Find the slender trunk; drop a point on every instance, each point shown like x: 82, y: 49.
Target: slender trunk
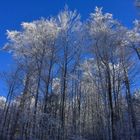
x: 112, y: 135
x: 130, y: 105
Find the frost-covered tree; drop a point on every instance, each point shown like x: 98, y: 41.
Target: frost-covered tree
x: 108, y: 47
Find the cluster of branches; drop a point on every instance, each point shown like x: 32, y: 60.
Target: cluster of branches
x: 73, y: 80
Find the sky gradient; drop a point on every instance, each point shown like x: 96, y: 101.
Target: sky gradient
x: 14, y: 12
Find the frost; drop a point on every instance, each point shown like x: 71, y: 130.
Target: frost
x: 2, y: 102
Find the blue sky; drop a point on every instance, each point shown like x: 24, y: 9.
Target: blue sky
x: 14, y: 12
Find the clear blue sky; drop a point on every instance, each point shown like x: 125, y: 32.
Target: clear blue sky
x: 14, y: 12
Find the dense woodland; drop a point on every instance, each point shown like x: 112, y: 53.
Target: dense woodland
x: 72, y: 79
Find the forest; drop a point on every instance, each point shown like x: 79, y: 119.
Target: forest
x: 72, y: 79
